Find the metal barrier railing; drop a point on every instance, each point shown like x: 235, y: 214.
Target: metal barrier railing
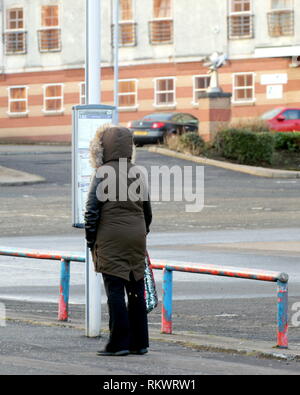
x: 65, y: 260
x: 167, y: 303
x: 249, y: 274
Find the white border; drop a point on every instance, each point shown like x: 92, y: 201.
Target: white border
x: 194, y: 102
x: 156, y: 92
x: 163, y: 19
x: 59, y: 17
x: 133, y: 7
x: 171, y: 17
x: 128, y: 22
x: 291, y: 8
x: 130, y: 94
x: 242, y: 13
x: 45, y: 28
x: 7, y: 31
x: 234, y: 88
x: 10, y: 100
x: 45, y: 99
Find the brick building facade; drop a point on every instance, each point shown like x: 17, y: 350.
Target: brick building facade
x: 163, y: 44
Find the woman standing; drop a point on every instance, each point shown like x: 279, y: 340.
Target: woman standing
x: 116, y: 232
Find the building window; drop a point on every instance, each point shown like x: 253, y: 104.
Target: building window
x: 82, y: 93
x: 18, y: 100
x: 243, y: 87
x: 281, y: 18
x: 15, y: 34
x: 161, y: 26
x: 281, y: 4
x: 53, y: 98
x: 165, y: 94
x: 49, y: 35
x: 127, y: 25
x: 127, y: 94
x: 201, y: 84
x: 241, y: 19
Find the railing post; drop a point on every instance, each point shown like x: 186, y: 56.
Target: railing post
x: 64, y: 291
x: 167, y: 301
x: 282, y: 318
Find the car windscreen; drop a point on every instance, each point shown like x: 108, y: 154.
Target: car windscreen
x: 271, y: 114
x: 158, y: 117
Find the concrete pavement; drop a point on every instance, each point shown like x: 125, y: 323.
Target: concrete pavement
x: 7, y: 149
x: 45, y: 350
x: 237, y: 317
x: 210, y: 314
x: 10, y: 177
x: 33, y: 342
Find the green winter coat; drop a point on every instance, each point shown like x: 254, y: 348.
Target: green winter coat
x: 116, y: 230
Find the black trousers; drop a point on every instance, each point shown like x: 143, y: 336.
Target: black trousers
x: 128, y: 325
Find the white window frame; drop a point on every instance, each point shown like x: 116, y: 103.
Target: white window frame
x: 59, y: 17
x: 11, y: 31
x: 10, y: 100
x: 157, y: 92
x: 129, y: 94
x: 231, y: 2
x: 234, y: 88
x: 276, y: 11
x: 168, y: 18
x: 291, y: 8
x: 45, y: 99
x: 45, y: 28
x: 81, y: 96
x: 242, y: 13
x: 195, y: 90
x: 163, y: 19
x: 123, y: 22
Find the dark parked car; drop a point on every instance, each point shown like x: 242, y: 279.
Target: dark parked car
x: 154, y: 128
x: 283, y: 119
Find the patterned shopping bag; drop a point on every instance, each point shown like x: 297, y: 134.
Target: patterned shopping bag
x: 150, y: 287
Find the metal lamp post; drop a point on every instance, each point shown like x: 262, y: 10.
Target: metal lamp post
x: 116, y: 58
x: 93, y: 96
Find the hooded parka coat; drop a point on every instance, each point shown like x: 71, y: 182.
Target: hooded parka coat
x: 116, y: 229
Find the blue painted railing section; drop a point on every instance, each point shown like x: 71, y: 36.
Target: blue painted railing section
x: 167, y: 296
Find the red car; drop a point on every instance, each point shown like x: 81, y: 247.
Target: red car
x: 283, y: 119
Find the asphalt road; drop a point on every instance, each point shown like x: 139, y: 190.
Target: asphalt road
x: 247, y: 222
x: 244, y: 220
x: 232, y: 200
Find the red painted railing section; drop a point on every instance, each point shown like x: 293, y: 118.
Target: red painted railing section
x: 251, y: 274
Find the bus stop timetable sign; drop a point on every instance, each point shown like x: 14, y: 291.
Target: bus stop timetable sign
x: 86, y: 120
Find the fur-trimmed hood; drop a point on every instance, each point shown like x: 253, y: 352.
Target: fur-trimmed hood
x: 111, y: 143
